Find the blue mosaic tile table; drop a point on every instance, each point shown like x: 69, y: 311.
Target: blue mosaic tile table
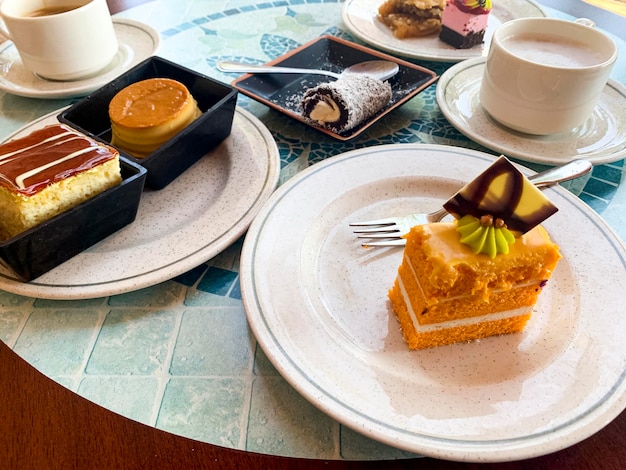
x: 179, y: 356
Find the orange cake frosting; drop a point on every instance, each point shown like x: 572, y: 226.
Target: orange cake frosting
x: 476, y: 277
x: 50, y: 171
x: 148, y: 113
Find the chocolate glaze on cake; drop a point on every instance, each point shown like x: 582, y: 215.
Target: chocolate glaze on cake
x: 342, y: 104
x: 48, y: 155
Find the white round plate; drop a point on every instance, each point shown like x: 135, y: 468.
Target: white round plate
x: 137, y: 42
x: 317, y: 303
x: 177, y: 228
x: 360, y: 17
x: 601, y: 139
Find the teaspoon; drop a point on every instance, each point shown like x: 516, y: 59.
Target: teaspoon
x: 380, y: 69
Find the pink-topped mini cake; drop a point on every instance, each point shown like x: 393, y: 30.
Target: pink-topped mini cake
x: 464, y: 22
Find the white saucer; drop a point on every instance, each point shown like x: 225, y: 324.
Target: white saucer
x: 601, y: 139
x: 360, y: 17
x: 137, y: 40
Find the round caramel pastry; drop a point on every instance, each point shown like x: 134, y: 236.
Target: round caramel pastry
x: 148, y: 113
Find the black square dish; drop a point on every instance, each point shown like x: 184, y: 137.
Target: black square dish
x: 45, y: 246
x: 216, y: 101
x: 284, y: 92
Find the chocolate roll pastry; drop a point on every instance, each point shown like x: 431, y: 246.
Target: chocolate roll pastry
x: 342, y: 104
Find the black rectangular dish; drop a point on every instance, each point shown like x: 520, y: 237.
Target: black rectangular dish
x: 284, y: 92
x: 215, y: 99
x: 45, y: 246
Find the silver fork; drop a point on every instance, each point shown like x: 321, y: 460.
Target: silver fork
x: 389, y: 231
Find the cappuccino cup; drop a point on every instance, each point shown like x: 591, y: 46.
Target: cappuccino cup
x: 60, y: 39
x: 545, y: 76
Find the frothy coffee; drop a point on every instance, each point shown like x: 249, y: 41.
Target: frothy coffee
x: 552, y: 50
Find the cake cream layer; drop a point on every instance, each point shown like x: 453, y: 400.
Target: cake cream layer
x: 46, y: 156
x: 147, y: 114
x: 456, y: 331
x: 458, y: 322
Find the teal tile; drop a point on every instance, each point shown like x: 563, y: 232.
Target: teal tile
x: 262, y: 365
x: 133, y: 342
x: 198, y: 298
x: 12, y: 300
x: 206, y: 409
x: 213, y: 341
x: 162, y: 295
x: 133, y: 397
x: 10, y: 323
x: 282, y: 422
x: 57, y: 342
x: 82, y: 304
x: 355, y: 446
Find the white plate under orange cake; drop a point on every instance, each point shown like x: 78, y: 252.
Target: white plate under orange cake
x: 322, y: 316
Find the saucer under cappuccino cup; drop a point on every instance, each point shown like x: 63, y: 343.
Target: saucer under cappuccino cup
x: 544, y: 76
x: 60, y: 39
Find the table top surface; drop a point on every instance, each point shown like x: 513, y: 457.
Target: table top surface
x: 177, y: 360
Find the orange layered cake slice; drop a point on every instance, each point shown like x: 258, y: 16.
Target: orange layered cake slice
x: 482, y: 274
x: 48, y: 172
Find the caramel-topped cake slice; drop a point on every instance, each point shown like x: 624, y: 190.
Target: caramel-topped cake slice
x: 50, y: 171
x: 482, y: 274
x: 148, y: 113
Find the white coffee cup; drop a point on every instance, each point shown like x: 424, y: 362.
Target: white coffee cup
x: 544, y: 75
x: 60, y: 39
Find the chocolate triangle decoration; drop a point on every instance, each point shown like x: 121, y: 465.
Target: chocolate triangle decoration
x: 502, y: 191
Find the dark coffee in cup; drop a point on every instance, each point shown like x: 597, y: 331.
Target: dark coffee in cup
x: 48, y: 11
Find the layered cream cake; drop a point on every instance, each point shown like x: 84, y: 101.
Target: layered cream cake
x: 343, y: 104
x: 148, y: 113
x: 412, y: 18
x: 464, y: 22
x: 48, y: 172
x: 476, y: 277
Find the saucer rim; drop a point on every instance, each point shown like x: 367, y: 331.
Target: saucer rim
x: 77, y: 88
x: 519, y: 151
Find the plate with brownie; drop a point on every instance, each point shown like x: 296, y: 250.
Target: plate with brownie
x: 341, y: 108
x: 433, y: 29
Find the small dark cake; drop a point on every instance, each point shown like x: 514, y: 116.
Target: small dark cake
x: 342, y: 104
x: 464, y: 22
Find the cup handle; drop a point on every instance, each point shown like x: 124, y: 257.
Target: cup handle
x: 585, y: 22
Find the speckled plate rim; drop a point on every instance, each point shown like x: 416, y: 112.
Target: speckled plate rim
x: 112, y: 266
x: 359, y: 16
x: 602, y: 139
x: 295, y: 308
x: 138, y: 41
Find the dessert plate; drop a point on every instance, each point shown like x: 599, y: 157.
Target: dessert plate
x: 177, y: 228
x: 360, y: 17
x: 601, y: 139
x: 137, y: 42
x: 317, y: 302
x: 284, y: 92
